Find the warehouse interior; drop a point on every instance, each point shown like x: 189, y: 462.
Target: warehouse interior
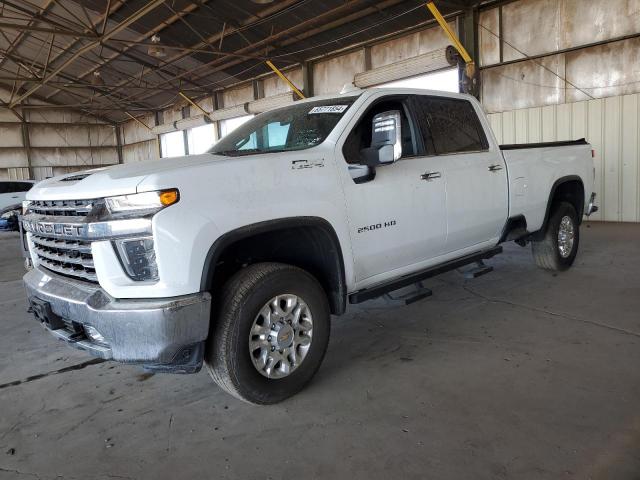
x: 516, y: 374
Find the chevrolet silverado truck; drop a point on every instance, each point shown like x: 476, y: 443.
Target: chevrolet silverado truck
x: 237, y: 258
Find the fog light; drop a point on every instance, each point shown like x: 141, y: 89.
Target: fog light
x: 138, y: 258
x: 94, y: 335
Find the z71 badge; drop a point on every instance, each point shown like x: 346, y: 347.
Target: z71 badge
x: 377, y: 226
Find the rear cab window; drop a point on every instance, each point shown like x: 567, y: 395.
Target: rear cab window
x: 449, y: 125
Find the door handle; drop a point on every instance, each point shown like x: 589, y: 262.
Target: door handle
x: 495, y: 168
x: 430, y: 175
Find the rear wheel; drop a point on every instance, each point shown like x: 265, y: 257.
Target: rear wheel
x: 271, y: 333
x: 559, y: 247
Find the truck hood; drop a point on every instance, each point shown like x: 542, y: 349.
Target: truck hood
x: 109, y: 181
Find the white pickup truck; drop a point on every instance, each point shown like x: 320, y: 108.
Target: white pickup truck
x: 237, y: 258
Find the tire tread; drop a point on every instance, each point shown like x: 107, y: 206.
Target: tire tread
x: 220, y: 357
x: 545, y: 251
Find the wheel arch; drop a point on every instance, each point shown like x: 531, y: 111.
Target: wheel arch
x: 569, y: 188
x: 310, y: 243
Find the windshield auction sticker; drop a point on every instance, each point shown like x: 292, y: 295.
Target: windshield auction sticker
x: 329, y: 109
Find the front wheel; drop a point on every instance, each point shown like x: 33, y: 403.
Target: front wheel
x: 559, y: 247
x: 270, y: 334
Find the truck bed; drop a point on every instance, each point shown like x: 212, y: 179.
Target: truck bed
x: 534, y: 169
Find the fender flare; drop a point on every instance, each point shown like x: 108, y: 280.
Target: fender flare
x: 554, y: 188
x: 337, y: 297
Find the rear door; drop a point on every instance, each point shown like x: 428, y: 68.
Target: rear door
x: 475, y: 174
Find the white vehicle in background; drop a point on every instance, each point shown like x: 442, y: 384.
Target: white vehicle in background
x: 12, y: 194
x: 236, y: 258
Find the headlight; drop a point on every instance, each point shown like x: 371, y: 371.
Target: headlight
x: 142, y: 204
x: 25, y: 206
x: 138, y: 258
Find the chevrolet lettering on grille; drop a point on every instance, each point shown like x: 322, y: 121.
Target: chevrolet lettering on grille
x: 49, y: 228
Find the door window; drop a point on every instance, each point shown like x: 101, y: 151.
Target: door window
x: 360, y: 136
x: 449, y: 125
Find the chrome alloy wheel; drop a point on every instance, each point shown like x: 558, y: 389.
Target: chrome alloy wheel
x: 566, y: 236
x: 280, y: 336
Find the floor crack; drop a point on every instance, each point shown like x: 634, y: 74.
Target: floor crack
x: 18, y: 472
x: 70, y: 368
x: 549, y: 312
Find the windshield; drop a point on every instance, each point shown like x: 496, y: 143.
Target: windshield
x: 296, y: 127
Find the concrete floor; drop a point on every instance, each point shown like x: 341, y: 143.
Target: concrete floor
x: 518, y: 374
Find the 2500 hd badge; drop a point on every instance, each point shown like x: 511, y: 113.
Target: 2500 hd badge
x: 377, y: 226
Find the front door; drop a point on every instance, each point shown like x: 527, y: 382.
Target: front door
x: 398, y: 218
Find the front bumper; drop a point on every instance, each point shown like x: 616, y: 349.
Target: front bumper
x: 161, y: 334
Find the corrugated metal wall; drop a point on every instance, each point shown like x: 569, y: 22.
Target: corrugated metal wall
x: 59, y: 141
x: 610, y: 124
x: 543, y: 27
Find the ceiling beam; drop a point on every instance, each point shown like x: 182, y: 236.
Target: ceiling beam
x: 54, y: 106
x: 117, y: 5
x: 22, y: 35
x: 34, y: 13
x: 57, y: 31
x: 75, y: 84
x: 38, y: 79
x: 105, y: 62
x: 215, y: 53
x: 296, y: 33
x: 212, y: 39
x: 93, y: 44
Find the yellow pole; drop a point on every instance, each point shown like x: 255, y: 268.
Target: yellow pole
x: 284, y: 78
x: 207, y: 114
x: 452, y: 36
x: 139, y: 121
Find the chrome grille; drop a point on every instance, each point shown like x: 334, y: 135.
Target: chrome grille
x: 62, y: 208
x: 67, y: 257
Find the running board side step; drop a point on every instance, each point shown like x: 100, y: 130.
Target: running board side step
x: 413, y: 278
x: 480, y: 269
x: 419, y: 292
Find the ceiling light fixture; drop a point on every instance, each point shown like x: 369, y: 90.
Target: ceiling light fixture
x: 96, y: 79
x: 156, y: 50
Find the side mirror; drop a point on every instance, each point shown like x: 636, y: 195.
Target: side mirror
x: 386, y: 139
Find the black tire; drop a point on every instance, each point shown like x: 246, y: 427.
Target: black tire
x: 546, y: 251
x: 227, y: 356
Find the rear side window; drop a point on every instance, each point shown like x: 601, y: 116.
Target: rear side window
x: 449, y: 125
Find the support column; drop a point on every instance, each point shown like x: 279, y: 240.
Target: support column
x: 119, y: 144
x: 218, y: 103
x: 26, y: 143
x: 185, y: 136
x: 367, y: 58
x: 307, y: 79
x: 159, y: 143
x: 467, y: 24
x: 258, y: 89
